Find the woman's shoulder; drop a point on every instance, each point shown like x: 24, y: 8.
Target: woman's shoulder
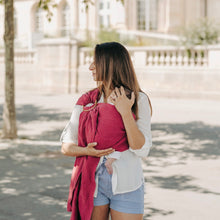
x: 88, y: 97
x: 144, y: 103
x: 143, y: 97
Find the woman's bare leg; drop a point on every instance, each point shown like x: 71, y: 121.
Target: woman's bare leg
x: 100, y: 212
x: 115, y: 215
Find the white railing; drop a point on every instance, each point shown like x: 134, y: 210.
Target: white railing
x: 164, y: 56
x: 169, y: 56
x: 21, y: 56
x: 85, y: 56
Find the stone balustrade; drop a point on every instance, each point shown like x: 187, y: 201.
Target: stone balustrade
x: 60, y: 65
x: 166, y: 56
x: 21, y: 56
x: 160, y: 56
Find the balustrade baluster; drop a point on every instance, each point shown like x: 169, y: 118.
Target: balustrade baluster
x: 161, y: 58
x: 167, y: 58
x: 156, y: 58
x: 150, y: 58
x: 173, y: 58
x: 23, y: 58
x: 205, y: 58
x: 91, y: 59
x: 179, y: 58
x: 192, y: 58
x: 87, y: 59
x: 199, y: 58
x: 185, y: 58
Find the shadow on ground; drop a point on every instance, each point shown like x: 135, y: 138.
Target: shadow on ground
x: 195, y: 138
x: 28, y: 113
x: 34, y: 182
x: 35, y: 178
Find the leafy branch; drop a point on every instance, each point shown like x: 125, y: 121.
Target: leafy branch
x: 87, y: 2
x: 122, y: 1
x: 47, y: 5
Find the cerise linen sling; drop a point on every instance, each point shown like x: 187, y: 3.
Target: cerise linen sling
x: 99, y: 123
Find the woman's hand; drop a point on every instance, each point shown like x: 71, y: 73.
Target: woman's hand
x: 91, y: 151
x: 122, y: 103
x: 71, y: 149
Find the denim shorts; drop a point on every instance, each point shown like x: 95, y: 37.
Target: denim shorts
x: 130, y: 202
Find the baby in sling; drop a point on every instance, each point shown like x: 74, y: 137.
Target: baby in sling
x: 103, y: 124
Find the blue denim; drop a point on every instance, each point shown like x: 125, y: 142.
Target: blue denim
x: 130, y: 202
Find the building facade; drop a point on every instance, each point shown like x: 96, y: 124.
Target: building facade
x: 73, y: 18
x: 167, y: 16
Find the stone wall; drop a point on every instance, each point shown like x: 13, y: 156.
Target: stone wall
x: 59, y: 66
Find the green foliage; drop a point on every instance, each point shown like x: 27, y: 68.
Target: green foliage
x: 144, y: 41
x: 203, y: 32
x: 47, y: 6
x: 87, y: 2
x: 106, y: 35
x: 122, y: 1
x: 101, y: 37
x: 112, y: 35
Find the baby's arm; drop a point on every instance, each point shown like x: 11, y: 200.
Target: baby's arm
x: 108, y: 165
x: 110, y: 159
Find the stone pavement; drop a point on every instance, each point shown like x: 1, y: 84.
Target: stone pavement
x: 182, y: 171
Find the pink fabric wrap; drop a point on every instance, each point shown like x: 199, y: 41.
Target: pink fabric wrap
x: 99, y: 123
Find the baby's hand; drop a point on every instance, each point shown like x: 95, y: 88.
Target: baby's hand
x: 108, y: 164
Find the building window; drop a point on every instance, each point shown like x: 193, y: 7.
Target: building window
x: 39, y: 20
x: 101, y: 5
x: 65, y: 15
x: 104, y: 14
x: 108, y: 5
x: 153, y: 12
x: 141, y: 14
x: 147, y: 12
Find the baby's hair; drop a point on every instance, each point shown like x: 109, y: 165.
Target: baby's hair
x: 128, y: 92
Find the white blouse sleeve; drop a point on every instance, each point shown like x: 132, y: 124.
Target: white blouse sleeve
x: 144, y: 125
x: 70, y: 132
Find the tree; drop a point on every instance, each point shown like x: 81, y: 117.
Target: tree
x: 9, y: 113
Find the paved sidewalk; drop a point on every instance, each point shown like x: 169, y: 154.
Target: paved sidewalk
x: 182, y: 171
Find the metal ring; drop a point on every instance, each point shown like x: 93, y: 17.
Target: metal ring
x: 86, y: 110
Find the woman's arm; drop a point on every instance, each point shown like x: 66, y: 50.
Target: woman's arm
x: 136, y: 138
x: 69, y: 137
x: 71, y: 149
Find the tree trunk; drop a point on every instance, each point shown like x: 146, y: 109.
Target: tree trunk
x: 9, y: 114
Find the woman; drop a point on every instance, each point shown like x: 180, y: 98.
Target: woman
x: 121, y: 193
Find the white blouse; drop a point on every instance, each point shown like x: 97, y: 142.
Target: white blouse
x: 127, y: 170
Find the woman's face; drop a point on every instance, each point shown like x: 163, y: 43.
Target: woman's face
x: 93, y: 69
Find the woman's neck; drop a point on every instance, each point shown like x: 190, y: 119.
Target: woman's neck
x: 107, y: 93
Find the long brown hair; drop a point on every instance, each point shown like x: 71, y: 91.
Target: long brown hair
x: 114, y: 68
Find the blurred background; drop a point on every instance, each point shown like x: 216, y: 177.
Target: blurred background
x: 173, y: 43
x: 174, y: 46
